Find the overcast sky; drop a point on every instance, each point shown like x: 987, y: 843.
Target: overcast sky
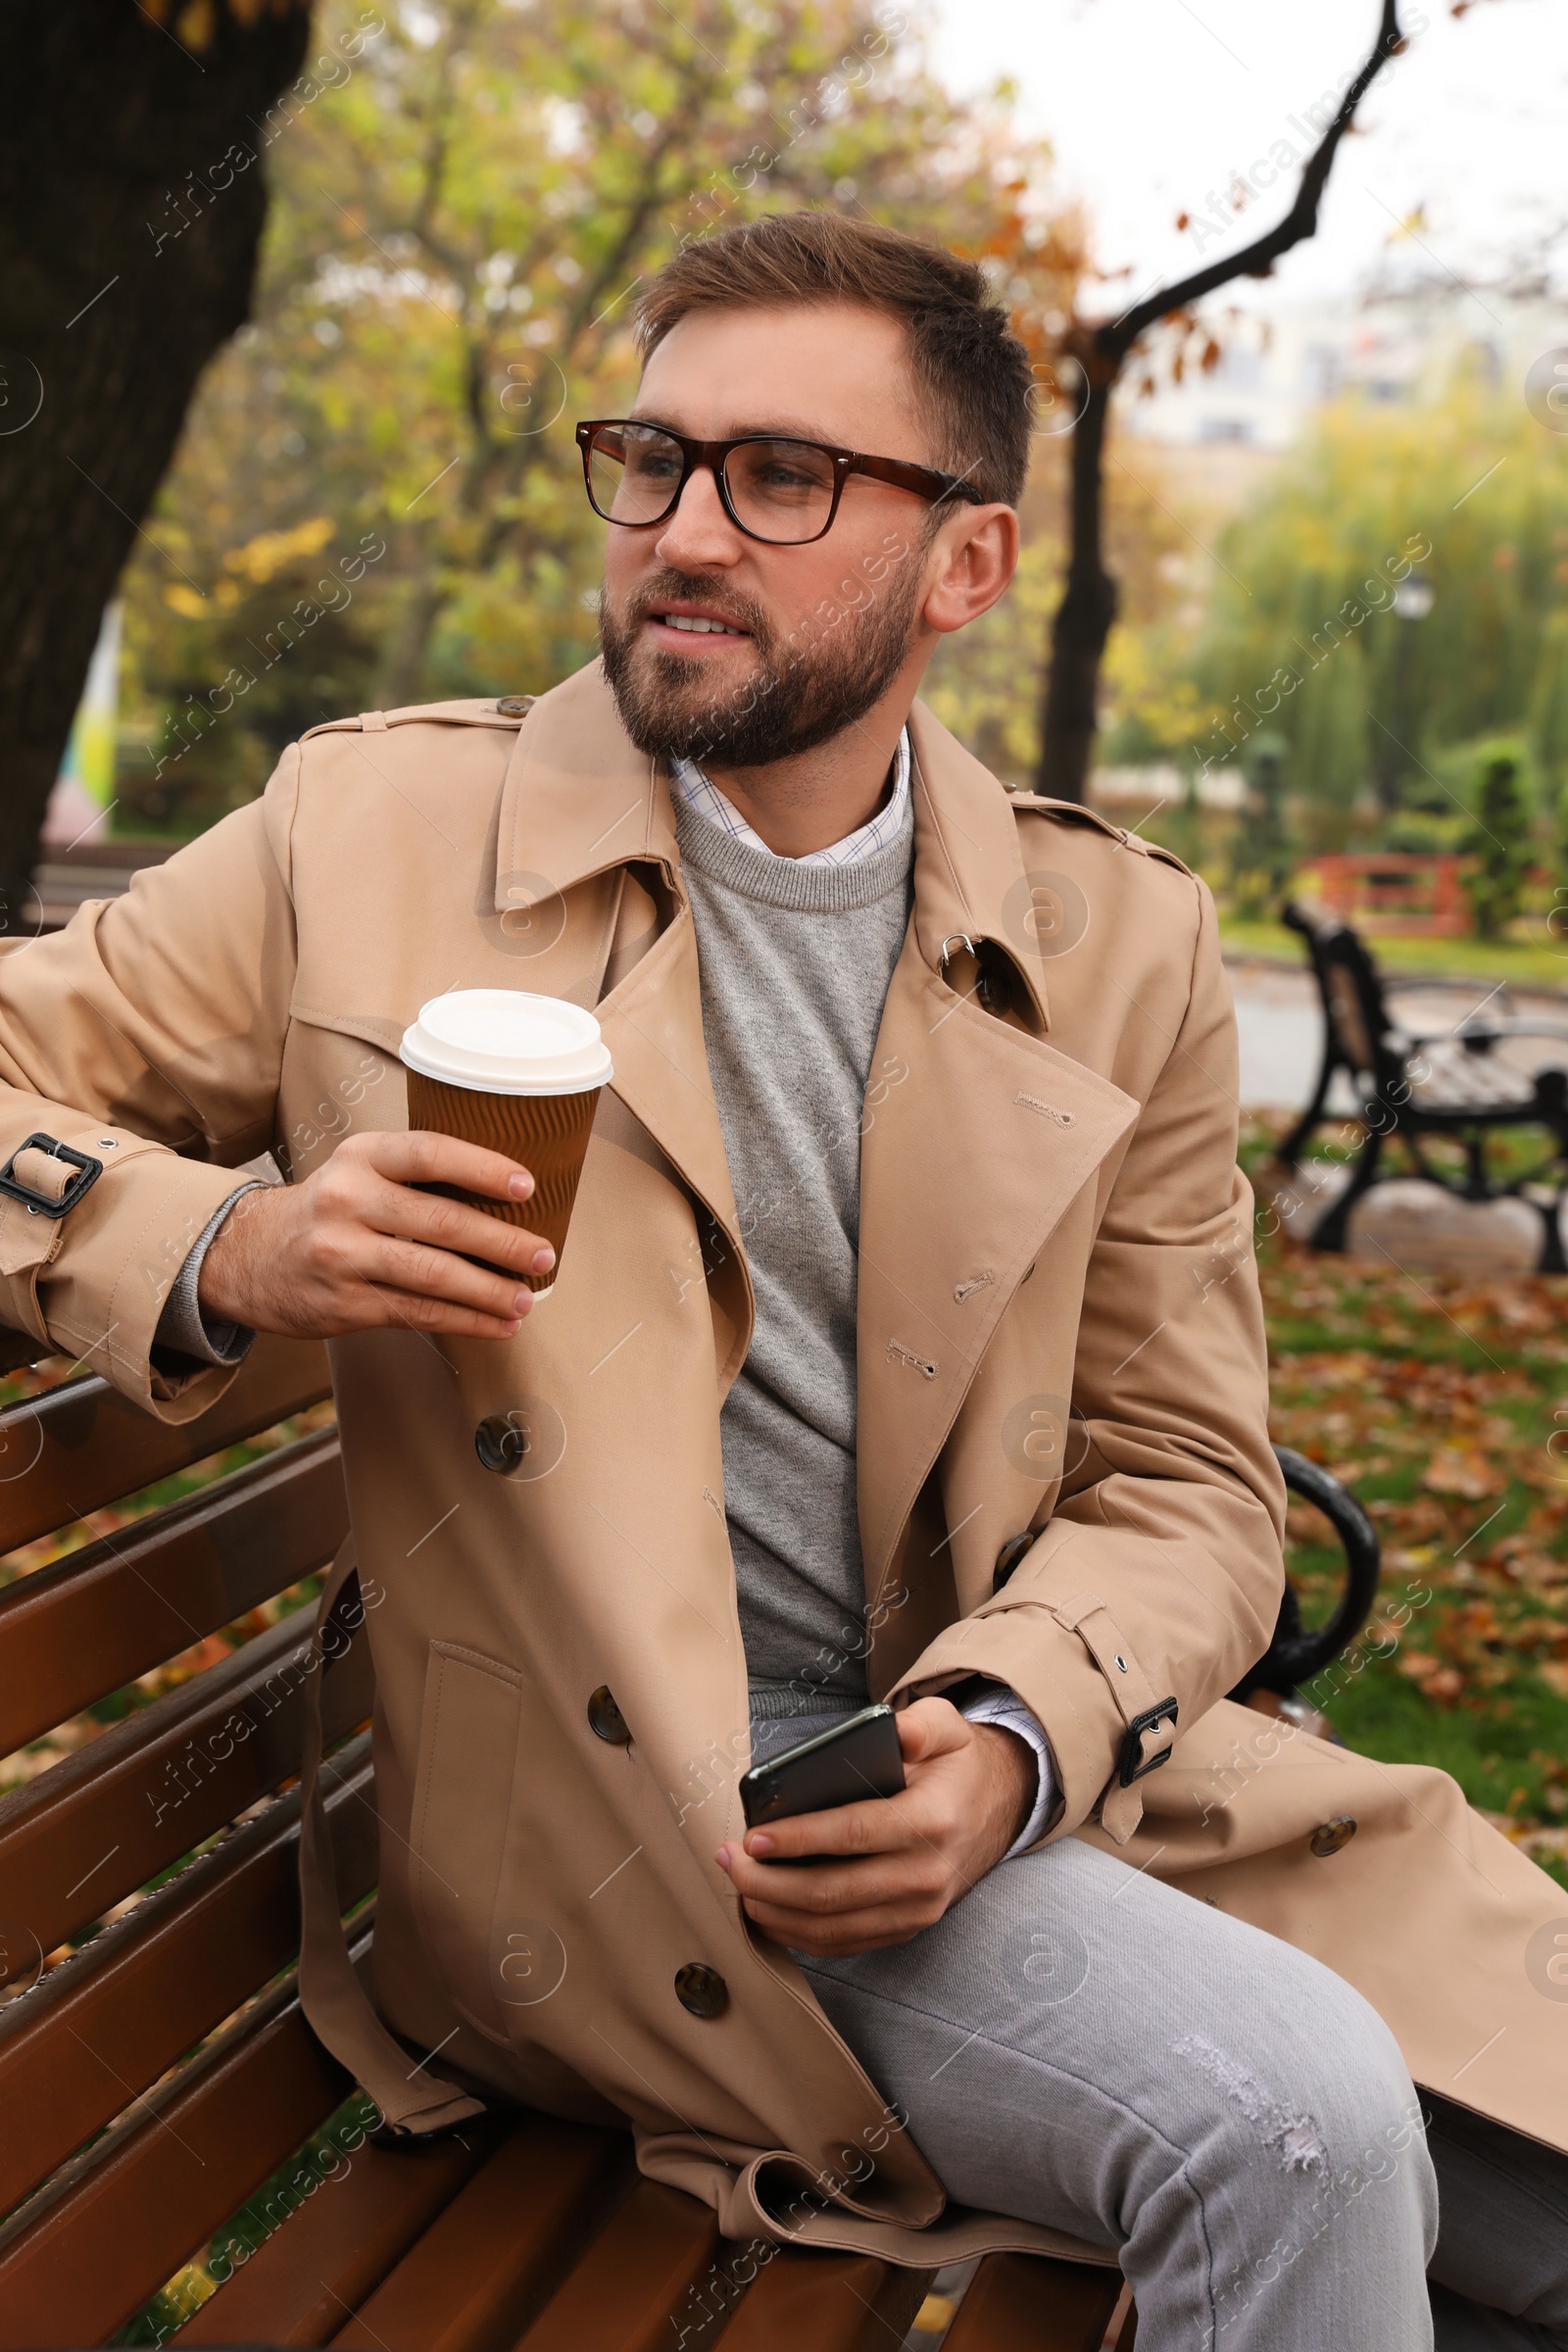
x: 1152, y: 106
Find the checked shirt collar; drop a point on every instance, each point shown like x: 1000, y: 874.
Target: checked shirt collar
x: 705, y: 799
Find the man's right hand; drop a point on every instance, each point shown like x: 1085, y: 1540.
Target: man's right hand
x: 356, y: 1247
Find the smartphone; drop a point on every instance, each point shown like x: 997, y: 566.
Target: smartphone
x: 859, y: 1758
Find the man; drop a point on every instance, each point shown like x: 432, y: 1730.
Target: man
x: 906, y: 1341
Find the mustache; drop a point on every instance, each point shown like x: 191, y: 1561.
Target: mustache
x: 671, y: 587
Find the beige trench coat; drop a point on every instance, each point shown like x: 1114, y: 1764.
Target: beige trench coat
x: 1060, y: 1332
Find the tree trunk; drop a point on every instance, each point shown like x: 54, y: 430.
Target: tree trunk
x: 400, y: 673
x: 131, y: 203
x: 1088, y: 607
x: 1083, y: 618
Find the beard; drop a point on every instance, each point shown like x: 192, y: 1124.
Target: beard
x: 802, y: 689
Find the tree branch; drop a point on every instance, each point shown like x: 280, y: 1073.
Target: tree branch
x: 1113, y: 341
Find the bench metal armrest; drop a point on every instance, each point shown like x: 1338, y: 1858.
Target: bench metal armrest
x: 1296, y: 1653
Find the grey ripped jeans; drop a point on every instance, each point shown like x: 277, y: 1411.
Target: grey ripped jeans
x: 1078, y: 2045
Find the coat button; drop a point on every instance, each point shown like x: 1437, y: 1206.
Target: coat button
x: 500, y: 1443
x: 515, y: 705
x: 702, y: 1991
x: 605, y: 1719
x: 1332, y: 1834
x: 1011, y: 1554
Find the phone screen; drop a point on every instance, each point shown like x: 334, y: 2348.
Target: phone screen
x: 859, y: 1758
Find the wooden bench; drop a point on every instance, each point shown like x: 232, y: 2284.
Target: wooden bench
x: 154, y: 2079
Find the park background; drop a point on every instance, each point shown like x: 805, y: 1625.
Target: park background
x: 376, y: 500
x: 348, y: 481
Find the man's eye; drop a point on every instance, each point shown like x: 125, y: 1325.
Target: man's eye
x: 786, y: 478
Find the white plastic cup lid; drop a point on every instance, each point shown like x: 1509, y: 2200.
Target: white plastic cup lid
x: 498, y: 1041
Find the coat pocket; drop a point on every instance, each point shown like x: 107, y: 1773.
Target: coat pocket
x: 462, y: 1807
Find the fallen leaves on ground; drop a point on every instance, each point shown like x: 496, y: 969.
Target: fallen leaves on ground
x: 1443, y: 1402
x: 1463, y: 1470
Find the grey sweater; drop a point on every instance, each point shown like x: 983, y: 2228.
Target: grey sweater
x: 796, y: 960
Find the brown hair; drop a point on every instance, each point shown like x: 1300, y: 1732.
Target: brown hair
x: 971, y: 374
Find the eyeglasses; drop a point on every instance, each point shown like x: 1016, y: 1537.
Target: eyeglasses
x: 781, y: 491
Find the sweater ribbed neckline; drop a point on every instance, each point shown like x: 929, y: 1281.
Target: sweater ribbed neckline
x: 787, y: 882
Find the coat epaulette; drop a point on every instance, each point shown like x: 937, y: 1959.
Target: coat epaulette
x: 509, y: 711
x: 1073, y: 812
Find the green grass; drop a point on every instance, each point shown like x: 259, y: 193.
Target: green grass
x: 1533, y: 960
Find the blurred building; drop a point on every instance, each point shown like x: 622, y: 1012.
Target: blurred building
x: 1280, y: 363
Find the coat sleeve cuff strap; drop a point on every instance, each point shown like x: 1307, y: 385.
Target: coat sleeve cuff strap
x: 1150, y: 1718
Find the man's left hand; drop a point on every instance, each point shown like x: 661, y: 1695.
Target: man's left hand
x: 969, y: 1790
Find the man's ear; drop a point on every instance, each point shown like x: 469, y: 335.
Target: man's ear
x: 974, y: 556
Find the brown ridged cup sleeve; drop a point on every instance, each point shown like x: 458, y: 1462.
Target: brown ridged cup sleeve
x: 548, y: 1133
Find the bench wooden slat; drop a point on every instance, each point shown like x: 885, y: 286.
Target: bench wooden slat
x: 831, y: 2302
x: 83, y: 1444
x: 73, y: 1633
x: 338, y: 2247
x: 1027, y: 2303
x: 153, y: 2191
x: 485, y: 2269
x: 632, y: 2294
x: 102, y: 1822
x: 102, y: 2029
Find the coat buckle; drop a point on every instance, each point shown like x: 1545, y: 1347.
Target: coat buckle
x: 1134, y: 1764
x: 39, y: 1204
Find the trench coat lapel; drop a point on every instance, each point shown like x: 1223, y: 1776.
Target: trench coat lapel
x: 977, y: 1136
x: 579, y: 800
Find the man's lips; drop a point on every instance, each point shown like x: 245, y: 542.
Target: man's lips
x: 690, y: 626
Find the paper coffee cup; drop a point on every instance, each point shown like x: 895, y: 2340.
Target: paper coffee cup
x: 522, y: 1075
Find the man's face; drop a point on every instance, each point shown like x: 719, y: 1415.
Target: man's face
x: 812, y: 635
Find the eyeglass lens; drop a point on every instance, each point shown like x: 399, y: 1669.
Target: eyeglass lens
x: 781, y: 490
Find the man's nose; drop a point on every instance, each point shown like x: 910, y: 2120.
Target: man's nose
x: 700, y: 536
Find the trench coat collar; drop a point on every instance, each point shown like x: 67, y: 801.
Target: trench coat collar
x: 971, y: 885
x: 579, y: 799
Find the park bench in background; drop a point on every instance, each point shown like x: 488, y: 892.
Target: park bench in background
x: 153, y: 2080
x: 1449, y: 1084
